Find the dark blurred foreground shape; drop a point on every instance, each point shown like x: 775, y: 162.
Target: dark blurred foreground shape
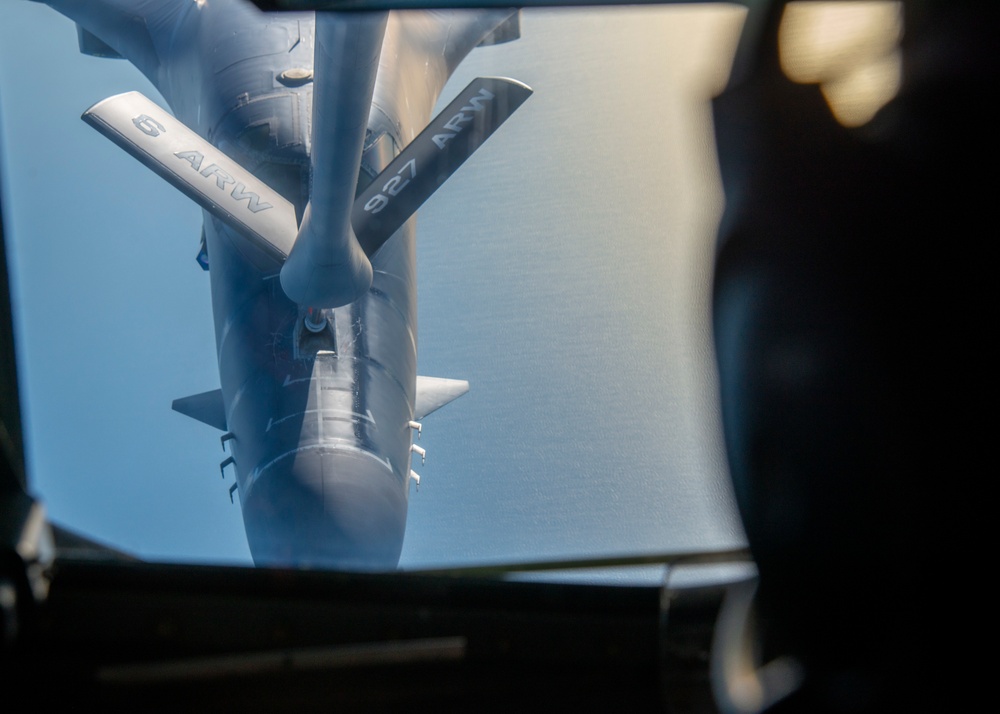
x: 852, y: 331
x: 852, y: 327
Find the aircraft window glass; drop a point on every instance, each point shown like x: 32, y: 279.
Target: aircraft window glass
x: 563, y: 270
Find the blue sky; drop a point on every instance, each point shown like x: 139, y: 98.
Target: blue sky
x: 564, y: 271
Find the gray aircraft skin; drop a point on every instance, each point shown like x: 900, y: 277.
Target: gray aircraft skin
x: 319, y: 393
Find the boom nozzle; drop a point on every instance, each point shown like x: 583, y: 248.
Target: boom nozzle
x: 315, y: 320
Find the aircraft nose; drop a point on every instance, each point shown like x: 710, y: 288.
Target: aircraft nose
x: 326, y: 508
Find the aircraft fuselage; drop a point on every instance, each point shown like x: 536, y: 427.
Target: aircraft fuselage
x: 318, y: 419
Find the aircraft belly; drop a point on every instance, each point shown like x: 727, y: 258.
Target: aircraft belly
x: 322, y: 442
x: 326, y: 506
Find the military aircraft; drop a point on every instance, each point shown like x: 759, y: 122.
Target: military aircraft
x: 306, y: 140
x: 841, y: 550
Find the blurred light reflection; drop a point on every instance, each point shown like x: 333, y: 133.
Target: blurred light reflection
x: 851, y: 49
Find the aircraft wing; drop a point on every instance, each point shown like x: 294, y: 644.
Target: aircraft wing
x: 135, y: 29
x: 198, y: 169
x: 433, y: 156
